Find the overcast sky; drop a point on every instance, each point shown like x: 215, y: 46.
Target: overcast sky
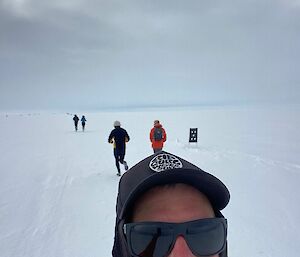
x: 91, y: 54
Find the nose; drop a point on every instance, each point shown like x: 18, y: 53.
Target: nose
x: 181, y: 249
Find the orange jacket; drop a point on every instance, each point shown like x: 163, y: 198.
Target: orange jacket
x: 158, y: 144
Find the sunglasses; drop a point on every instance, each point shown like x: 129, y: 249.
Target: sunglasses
x: 204, y: 237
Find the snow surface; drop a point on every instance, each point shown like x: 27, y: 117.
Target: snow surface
x: 58, y: 187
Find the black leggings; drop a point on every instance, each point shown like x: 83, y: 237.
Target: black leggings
x: 119, y: 156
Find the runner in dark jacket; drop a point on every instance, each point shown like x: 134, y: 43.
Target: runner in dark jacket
x: 119, y: 137
x: 76, y: 119
x: 83, y: 120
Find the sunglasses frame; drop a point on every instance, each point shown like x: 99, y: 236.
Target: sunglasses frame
x: 180, y: 229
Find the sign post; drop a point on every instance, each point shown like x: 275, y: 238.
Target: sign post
x: 193, y: 135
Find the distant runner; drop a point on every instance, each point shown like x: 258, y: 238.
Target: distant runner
x: 83, y: 120
x: 157, y: 136
x: 119, y: 136
x: 76, y: 119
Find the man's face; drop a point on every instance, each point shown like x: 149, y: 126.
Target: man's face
x: 173, y: 203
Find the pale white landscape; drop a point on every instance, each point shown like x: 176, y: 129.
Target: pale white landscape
x: 58, y: 187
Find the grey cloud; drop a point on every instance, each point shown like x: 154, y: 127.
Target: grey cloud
x: 202, y: 51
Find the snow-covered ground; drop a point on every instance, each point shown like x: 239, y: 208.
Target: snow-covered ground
x: 58, y: 187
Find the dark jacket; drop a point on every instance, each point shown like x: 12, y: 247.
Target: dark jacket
x: 76, y: 119
x: 119, y: 137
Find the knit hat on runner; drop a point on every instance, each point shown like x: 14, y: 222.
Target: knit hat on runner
x: 117, y: 123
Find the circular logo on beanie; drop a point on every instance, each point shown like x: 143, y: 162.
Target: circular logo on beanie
x: 165, y: 162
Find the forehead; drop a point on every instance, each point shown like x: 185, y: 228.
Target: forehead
x: 172, y: 203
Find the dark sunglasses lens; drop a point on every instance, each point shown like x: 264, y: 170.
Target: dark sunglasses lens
x: 207, y: 239
x: 150, y: 240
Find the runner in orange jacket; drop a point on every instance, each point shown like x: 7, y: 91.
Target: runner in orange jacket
x: 157, y: 136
